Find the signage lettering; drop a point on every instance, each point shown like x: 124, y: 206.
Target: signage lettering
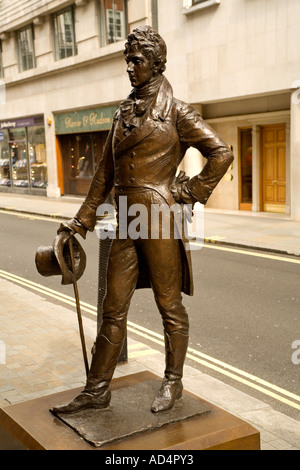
x: 83, y: 121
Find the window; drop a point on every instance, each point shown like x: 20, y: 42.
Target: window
x: 246, y: 169
x: 113, y: 21
x: 23, y: 165
x: 1, y: 65
x: 191, y: 6
x: 26, y: 48
x: 64, y: 34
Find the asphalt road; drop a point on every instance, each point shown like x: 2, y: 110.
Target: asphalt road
x: 244, y: 316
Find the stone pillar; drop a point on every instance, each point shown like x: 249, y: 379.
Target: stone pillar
x: 295, y: 154
x: 256, y: 194
x: 53, y: 188
x: 288, y: 169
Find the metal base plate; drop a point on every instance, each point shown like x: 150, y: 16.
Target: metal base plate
x: 130, y: 415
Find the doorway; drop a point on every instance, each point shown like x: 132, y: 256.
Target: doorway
x: 273, y: 172
x: 81, y: 155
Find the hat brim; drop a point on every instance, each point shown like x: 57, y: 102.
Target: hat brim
x: 62, y: 253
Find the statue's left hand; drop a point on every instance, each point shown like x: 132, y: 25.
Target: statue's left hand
x: 182, y: 195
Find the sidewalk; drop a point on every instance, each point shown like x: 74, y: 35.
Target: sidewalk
x: 43, y: 353
x: 43, y: 357
x: 262, y: 231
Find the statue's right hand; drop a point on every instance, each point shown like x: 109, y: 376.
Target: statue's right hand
x: 72, y: 227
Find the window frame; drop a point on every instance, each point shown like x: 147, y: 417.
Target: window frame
x: 1, y: 61
x: 103, y: 15
x: 24, y: 66
x: 192, y: 6
x: 57, y: 48
x: 196, y: 2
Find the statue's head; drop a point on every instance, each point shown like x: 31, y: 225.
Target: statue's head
x: 147, y: 43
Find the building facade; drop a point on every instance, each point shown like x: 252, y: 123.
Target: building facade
x: 63, y: 74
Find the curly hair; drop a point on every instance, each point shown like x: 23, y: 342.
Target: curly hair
x: 150, y: 44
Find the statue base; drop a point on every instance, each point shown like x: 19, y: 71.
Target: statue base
x: 128, y: 424
x: 130, y: 415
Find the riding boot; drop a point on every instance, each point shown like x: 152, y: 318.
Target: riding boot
x: 97, y: 393
x: 171, y: 390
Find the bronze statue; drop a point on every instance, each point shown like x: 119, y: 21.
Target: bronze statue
x: 150, y: 134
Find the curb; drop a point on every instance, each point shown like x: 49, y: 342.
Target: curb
x: 206, y: 240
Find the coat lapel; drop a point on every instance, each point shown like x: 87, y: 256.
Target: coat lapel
x: 158, y: 112
x: 136, y: 136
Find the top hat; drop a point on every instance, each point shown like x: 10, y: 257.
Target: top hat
x: 55, y: 260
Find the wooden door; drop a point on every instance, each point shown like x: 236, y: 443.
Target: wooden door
x: 274, y: 168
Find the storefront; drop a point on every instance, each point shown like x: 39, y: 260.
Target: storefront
x: 81, y: 137
x: 23, y: 164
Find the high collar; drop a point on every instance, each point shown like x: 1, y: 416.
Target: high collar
x: 148, y: 90
x: 162, y: 102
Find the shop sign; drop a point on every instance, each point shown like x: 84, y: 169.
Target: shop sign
x: 98, y: 119
x: 1, y: 136
x: 26, y: 122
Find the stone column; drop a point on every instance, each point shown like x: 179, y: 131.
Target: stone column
x: 53, y: 189
x: 256, y: 202
x: 295, y: 154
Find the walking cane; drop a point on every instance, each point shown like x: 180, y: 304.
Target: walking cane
x: 78, y: 309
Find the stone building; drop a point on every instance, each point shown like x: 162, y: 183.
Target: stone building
x: 62, y: 75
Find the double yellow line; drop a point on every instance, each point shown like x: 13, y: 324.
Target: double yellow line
x: 240, y: 376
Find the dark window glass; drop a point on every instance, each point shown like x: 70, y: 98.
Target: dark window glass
x: 246, y: 165
x: 64, y: 34
x: 26, y: 49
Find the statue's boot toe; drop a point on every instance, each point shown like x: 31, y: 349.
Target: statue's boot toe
x: 84, y: 401
x: 169, y: 393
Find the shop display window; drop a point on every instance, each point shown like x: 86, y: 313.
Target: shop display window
x: 18, y: 155
x: 37, y: 157
x: 81, y: 155
x: 23, y: 159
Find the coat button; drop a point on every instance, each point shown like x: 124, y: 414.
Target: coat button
x: 132, y: 154
x: 131, y: 166
x: 131, y: 181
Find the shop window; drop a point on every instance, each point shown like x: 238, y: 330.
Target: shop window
x: 26, y: 48
x: 113, y: 20
x: 23, y: 159
x: 18, y: 155
x: 37, y: 157
x: 64, y: 34
x: 1, y: 61
x: 81, y: 155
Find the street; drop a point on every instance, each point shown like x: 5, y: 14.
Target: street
x: 244, y: 316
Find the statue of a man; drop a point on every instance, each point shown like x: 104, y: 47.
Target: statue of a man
x: 149, y: 137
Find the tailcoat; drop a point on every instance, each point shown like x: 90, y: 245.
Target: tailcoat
x: 147, y: 154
